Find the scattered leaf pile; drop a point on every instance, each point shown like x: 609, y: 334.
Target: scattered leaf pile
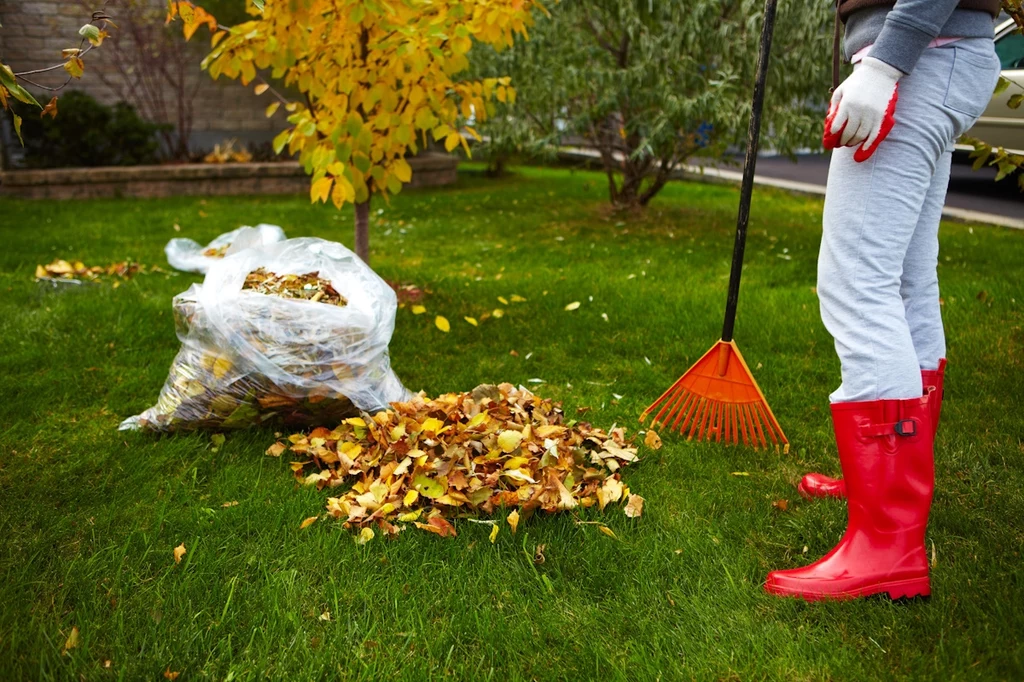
x: 425, y: 461
x: 307, y: 287
x: 62, y: 269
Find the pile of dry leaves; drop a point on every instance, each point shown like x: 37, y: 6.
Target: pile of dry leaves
x: 425, y: 460
x: 308, y: 287
x: 62, y: 269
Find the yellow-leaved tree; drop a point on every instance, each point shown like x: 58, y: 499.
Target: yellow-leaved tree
x: 378, y: 79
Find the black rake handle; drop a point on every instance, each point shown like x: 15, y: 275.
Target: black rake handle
x: 753, y: 135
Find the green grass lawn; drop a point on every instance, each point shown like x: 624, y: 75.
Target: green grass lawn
x: 89, y: 516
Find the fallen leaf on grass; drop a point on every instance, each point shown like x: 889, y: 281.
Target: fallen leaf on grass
x: 740, y: 473
x: 538, y: 554
x: 276, y: 450
x: 652, y: 440
x: 365, y: 535
x: 472, y: 321
x: 179, y: 552
x: 437, y: 525
x: 325, y: 616
x: 635, y: 507
x: 171, y: 675
x: 503, y: 300
x: 108, y: 663
x: 232, y: 503
x: 610, y: 491
x: 72, y: 640
x: 781, y: 505
x: 308, y: 522
x: 516, y: 298
x: 217, y: 439
x: 418, y: 309
x: 497, y: 313
x: 442, y: 323
x: 494, y: 533
x: 608, y: 531
x: 513, y: 520
x: 573, y: 306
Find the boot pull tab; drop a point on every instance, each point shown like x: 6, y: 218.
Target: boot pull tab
x: 904, y: 427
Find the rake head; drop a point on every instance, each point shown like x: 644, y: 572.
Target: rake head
x: 718, y: 399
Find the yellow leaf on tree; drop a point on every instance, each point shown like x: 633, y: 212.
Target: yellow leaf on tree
x: 75, y: 67
x: 321, y: 189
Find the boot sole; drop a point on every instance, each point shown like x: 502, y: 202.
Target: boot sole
x: 895, y: 590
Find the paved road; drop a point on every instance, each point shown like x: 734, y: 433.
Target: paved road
x: 968, y: 189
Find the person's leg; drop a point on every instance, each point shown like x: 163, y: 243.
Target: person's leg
x: 919, y: 286
x: 871, y: 212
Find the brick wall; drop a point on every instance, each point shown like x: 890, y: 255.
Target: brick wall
x: 35, y: 31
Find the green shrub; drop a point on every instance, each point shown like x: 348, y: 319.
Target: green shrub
x: 87, y: 133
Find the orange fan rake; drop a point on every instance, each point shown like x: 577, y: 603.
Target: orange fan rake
x: 718, y: 398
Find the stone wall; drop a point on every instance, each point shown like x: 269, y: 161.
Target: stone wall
x: 428, y: 170
x: 35, y: 31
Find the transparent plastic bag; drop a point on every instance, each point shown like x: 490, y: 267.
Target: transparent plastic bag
x: 189, y: 255
x: 250, y: 358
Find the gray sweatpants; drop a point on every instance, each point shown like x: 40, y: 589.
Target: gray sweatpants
x: 877, y: 281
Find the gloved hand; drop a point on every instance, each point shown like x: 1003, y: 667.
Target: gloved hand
x: 861, y: 111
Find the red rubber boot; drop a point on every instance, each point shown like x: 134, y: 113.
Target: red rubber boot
x: 820, y: 485
x: 885, y: 450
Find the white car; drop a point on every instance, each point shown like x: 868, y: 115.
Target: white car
x: 1000, y: 125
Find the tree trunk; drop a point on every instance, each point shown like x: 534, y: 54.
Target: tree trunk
x: 363, y: 231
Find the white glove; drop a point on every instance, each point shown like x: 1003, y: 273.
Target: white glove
x: 860, y: 105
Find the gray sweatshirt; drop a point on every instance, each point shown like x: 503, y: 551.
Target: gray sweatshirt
x: 901, y: 33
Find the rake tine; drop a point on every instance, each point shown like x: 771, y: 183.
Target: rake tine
x: 687, y: 411
x: 757, y: 428
x: 705, y: 418
x: 684, y: 397
x: 699, y: 415
x: 743, y: 424
x: 735, y: 433
x: 768, y: 425
x: 668, y: 403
